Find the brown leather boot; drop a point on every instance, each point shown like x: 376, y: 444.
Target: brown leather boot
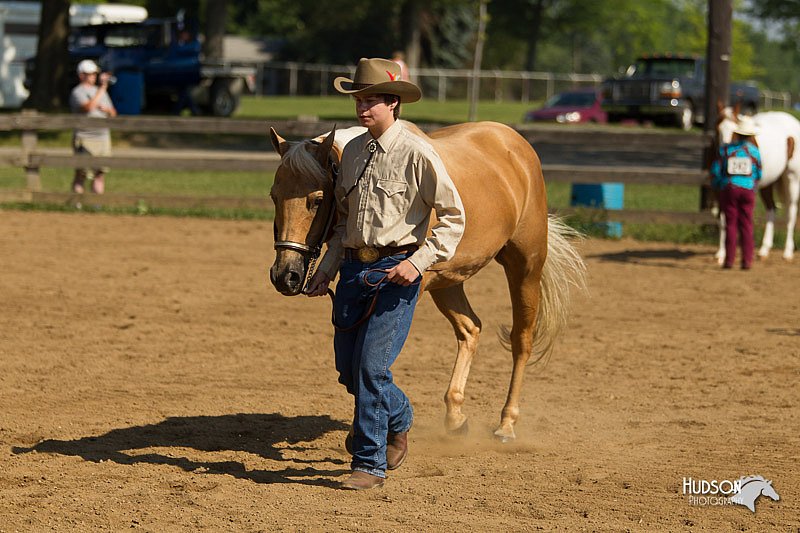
x: 348, y: 441
x: 359, y: 480
x: 396, y: 449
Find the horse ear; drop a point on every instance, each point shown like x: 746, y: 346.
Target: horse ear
x: 737, y: 108
x: 720, y: 107
x: 278, y: 142
x: 325, y: 148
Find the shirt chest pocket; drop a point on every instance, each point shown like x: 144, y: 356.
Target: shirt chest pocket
x: 391, y: 196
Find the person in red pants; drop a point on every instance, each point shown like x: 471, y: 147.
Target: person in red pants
x: 734, y: 174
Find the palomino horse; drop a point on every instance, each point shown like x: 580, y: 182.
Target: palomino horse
x: 499, y: 178
x: 778, y: 140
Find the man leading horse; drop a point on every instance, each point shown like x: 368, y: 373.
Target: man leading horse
x: 390, y: 182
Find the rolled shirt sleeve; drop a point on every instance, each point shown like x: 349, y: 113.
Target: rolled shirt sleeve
x: 439, y: 192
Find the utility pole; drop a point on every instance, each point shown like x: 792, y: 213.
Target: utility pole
x: 475, y: 86
x: 718, y: 69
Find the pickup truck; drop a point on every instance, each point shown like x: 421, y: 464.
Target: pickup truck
x: 667, y: 89
x: 154, y: 62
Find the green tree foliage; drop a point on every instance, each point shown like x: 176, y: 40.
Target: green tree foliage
x: 776, y: 9
x: 778, y: 47
x: 341, y: 31
x: 604, y: 37
x: 600, y: 36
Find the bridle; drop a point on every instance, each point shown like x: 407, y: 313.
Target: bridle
x: 311, y: 253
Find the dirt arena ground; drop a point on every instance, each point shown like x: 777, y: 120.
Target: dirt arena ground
x: 150, y: 378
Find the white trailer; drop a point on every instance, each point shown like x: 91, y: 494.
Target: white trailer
x: 19, y: 34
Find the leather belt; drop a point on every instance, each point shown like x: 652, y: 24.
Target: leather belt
x: 370, y: 255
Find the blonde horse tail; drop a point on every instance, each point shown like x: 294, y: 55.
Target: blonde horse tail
x: 564, y: 271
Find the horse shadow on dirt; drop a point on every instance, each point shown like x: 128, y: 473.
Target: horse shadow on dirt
x: 661, y: 258
x: 269, y: 436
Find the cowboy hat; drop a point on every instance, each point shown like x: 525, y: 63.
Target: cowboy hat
x: 746, y: 126
x: 378, y: 76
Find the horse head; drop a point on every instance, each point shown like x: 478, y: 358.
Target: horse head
x: 727, y: 120
x: 304, y: 207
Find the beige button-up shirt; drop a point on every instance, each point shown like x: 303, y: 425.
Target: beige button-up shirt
x: 391, y: 204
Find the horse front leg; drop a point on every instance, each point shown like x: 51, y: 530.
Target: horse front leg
x: 525, y: 294
x: 720, y: 255
x: 453, y: 304
x: 791, y: 215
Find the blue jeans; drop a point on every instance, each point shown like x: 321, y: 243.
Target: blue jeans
x: 365, y: 353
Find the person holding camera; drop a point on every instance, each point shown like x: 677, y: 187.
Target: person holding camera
x: 90, y: 98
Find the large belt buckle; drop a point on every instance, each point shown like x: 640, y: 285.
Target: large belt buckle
x: 368, y: 255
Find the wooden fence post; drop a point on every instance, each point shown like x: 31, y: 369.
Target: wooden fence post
x: 30, y: 139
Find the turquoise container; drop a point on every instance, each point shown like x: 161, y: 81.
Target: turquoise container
x: 609, y: 196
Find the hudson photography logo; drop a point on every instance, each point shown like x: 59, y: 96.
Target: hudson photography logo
x: 743, y: 491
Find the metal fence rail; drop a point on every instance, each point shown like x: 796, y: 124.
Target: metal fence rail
x: 292, y: 78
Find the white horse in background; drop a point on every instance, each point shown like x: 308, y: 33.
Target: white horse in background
x: 778, y: 140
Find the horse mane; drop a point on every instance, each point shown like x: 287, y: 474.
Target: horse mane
x: 303, y: 163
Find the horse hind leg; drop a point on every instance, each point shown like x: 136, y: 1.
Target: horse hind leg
x: 768, y: 197
x: 525, y: 289
x: 791, y: 216
x: 453, y: 304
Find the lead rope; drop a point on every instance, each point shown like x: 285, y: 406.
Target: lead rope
x: 372, y: 147
x: 378, y: 284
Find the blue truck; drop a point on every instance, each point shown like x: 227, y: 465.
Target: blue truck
x: 157, y: 66
x: 667, y: 88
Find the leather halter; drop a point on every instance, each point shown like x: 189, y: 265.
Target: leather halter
x: 315, y: 250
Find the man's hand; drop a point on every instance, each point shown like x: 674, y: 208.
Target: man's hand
x: 318, y: 284
x: 405, y: 273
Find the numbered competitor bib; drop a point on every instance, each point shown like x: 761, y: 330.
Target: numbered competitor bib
x: 740, y: 166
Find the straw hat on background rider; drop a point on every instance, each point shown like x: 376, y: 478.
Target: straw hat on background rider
x: 746, y: 126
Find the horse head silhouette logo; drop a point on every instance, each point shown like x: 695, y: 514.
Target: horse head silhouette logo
x: 751, y: 488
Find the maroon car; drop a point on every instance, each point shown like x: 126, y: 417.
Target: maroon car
x: 580, y: 105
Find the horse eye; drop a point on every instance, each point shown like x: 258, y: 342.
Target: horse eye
x: 316, y: 202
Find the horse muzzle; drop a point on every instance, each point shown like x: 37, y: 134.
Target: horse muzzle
x: 288, y: 279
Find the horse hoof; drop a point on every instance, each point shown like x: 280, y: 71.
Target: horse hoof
x: 504, y: 436
x: 460, y: 431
